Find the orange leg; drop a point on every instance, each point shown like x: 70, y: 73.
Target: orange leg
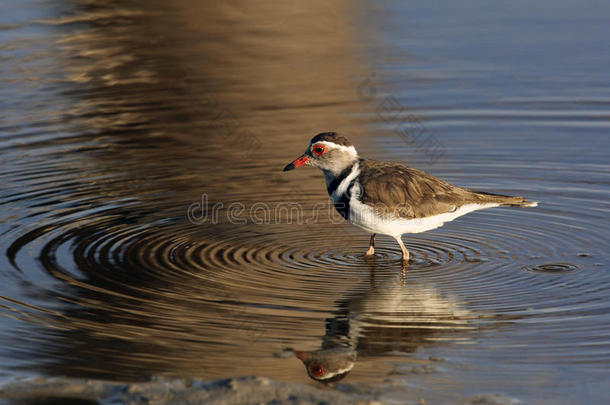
x: 371, y: 249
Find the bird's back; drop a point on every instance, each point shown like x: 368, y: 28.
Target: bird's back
x: 411, y: 193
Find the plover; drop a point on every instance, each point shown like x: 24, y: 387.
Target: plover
x: 391, y: 198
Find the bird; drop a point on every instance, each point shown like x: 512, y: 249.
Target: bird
x: 390, y: 198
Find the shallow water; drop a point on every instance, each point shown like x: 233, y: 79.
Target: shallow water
x: 147, y: 228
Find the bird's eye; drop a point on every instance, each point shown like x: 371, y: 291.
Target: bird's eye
x: 319, y: 149
x: 316, y: 370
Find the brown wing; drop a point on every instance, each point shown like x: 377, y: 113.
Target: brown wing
x: 393, y: 188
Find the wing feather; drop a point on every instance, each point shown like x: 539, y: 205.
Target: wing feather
x: 395, y: 189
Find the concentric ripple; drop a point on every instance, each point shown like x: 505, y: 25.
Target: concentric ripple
x: 123, y: 265
x: 553, y: 268
x: 123, y: 280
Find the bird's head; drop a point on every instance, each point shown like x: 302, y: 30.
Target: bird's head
x: 327, y: 365
x: 328, y: 151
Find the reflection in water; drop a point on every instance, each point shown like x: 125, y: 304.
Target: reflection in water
x: 328, y: 365
x: 391, y: 314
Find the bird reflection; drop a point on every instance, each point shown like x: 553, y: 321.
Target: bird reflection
x: 328, y: 365
x: 388, y: 313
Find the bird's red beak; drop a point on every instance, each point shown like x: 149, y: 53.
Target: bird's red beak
x: 300, y: 161
x: 300, y: 355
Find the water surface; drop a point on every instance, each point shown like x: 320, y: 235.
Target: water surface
x: 147, y: 228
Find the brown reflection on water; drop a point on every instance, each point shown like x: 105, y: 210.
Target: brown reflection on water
x: 205, y: 86
x: 169, y: 101
x: 173, y: 100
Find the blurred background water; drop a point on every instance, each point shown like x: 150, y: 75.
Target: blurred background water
x: 146, y: 226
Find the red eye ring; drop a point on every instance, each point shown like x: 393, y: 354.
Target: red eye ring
x: 319, y: 149
x: 316, y: 370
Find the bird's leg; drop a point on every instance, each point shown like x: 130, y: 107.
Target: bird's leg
x: 371, y: 250
x: 405, y: 252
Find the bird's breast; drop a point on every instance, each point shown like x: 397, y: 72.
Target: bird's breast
x: 340, y: 188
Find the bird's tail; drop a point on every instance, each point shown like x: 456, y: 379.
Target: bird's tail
x: 503, y: 200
